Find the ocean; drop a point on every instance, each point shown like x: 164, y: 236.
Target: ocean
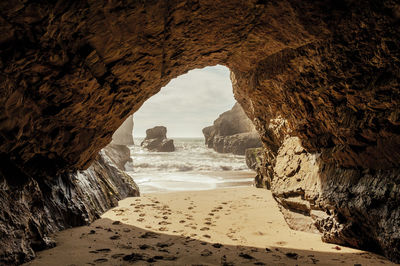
x: 192, y: 166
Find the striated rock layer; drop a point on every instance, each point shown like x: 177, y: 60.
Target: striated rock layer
x: 232, y: 132
x: 33, y: 208
x: 324, y: 71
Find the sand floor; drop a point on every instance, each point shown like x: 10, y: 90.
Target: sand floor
x: 230, y: 226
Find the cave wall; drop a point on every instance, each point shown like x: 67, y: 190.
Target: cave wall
x: 31, y: 209
x: 325, y: 71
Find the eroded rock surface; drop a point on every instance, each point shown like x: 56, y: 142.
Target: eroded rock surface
x: 232, y: 132
x: 33, y: 208
x: 325, y: 71
x: 156, y: 140
x: 354, y: 207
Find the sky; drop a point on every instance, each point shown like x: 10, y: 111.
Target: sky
x: 187, y: 104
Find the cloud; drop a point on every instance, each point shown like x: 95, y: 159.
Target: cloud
x: 188, y: 103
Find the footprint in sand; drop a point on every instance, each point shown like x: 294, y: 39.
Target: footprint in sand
x: 208, y: 223
x: 140, y: 220
x: 115, y: 237
x: 163, y: 229
x: 182, y: 221
x: 100, y: 250
x: 164, y: 223
x: 204, y: 229
x: 145, y: 246
x: 206, y: 253
x: 281, y: 243
x: 100, y: 260
x: 142, y: 214
x: 118, y: 255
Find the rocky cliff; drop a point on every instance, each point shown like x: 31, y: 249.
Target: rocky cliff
x: 232, y: 132
x: 32, y: 208
x: 156, y: 140
x: 326, y: 72
x: 124, y: 135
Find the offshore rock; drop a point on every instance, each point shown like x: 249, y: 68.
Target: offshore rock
x: 156, y: 140
x: 232, y: 132
x: 31, y: 209
x: 123, y: 135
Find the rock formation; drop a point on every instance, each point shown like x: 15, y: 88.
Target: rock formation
x: 31, y: 209
x: 123, y: 135
x: 232, y: 132
x: 326, y: 72
x: 156, y: 140
x: 118, y: 154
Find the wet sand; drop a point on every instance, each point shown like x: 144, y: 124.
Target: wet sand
x: 229, y: 226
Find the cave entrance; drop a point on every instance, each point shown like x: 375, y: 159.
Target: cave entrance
x: 184, y: 107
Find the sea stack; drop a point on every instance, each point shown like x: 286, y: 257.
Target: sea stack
x: 156, y: 140
x: 232, y: 132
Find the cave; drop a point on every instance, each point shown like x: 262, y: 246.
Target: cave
x: 319, y: 79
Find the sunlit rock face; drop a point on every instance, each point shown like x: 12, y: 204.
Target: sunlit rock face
x: 232, y: 132
x: 325, y: 71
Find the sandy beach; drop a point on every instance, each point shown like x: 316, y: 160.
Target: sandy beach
x: 226, y: 226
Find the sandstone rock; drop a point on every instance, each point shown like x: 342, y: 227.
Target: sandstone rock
x: 325, y: 71
x: 232, y: 132
x: 353, y: 207
x: 32, y: 209
x: 123, y: 135
x: 156, y: 140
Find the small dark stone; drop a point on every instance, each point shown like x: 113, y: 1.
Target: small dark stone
x: 217, y: 245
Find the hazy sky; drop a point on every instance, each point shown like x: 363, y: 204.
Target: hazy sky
x: 187, y: 104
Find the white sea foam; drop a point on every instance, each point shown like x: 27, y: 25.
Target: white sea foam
x: 190, y: 167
